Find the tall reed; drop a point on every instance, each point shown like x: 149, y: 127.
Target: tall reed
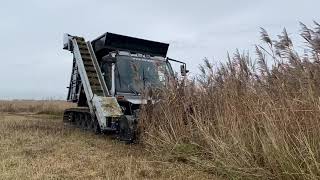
x: 247, y: 118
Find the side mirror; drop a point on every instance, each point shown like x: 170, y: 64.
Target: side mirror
x: 183, y: 69
x: 108, y: 59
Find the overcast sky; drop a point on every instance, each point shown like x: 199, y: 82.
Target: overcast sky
x: 34, y: 66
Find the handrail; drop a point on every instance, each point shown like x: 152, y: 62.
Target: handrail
x: 98, y: 70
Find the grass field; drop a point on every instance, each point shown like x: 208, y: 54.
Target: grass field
x: 246, y: 118
x: 35, y: 145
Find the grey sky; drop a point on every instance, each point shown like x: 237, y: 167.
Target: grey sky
x: 33, y: 64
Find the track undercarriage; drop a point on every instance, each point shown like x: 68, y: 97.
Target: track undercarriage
x: 81, y: 117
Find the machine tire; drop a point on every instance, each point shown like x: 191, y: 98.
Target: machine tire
x: 66, y: 117
x: 83, y: 121
x: 78, y: 120
x: 90, y: 124
x: 95, y: 126
x: 126, y: 133
x: 72, y: 118
x: 88, y: 121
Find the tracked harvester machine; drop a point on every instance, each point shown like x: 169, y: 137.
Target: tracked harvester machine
x: 109, y: 74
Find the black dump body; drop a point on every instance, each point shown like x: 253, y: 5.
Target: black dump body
x: 109, y: 42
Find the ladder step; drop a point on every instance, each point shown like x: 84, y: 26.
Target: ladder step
x: 86, y: 57
x: 99, y: 93
x: 90, y: 69
x: 94, y: 83
x: 83, y: 53
x: 79, y: 39
x: 87, y: 63
x: 96, y: 88
x: 82, y: 42
x: 92, y: 75
x: 83, y: 46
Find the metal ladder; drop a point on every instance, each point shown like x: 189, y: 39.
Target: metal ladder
x: 98, y: 98
x: 91, y: 70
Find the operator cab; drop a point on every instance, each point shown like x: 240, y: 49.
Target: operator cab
x: 132, y: 65
x: 134, y: 73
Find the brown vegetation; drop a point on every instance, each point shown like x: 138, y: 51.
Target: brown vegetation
x: 247, y: 118
x: 52, y: 107
x: 34, y: 146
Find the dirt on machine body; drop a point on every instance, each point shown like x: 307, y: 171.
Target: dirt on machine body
x: 109, y: 76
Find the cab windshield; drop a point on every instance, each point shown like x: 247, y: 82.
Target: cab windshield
x: 133, y: 74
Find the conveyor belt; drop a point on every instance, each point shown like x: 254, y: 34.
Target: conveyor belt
x: 91, y: 72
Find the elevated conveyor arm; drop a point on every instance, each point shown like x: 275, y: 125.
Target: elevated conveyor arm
x: 100, y: 103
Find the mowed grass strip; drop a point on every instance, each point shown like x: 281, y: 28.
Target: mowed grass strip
x: 51, y: 107
x: 42, y: 147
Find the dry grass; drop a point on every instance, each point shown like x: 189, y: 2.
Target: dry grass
x: 52, y: 107
x: 34, y: 146
x: 247, y: 118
